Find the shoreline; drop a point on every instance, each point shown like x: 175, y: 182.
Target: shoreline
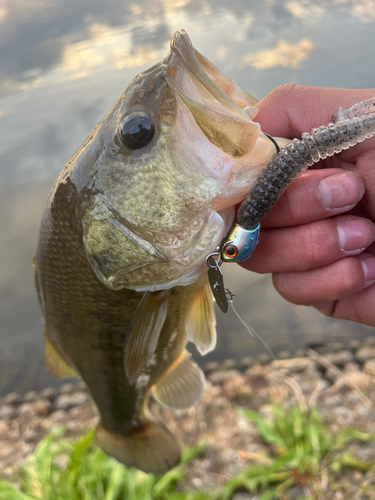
x: 340, y: 382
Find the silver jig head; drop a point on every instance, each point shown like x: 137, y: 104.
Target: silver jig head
x: 239, y: 243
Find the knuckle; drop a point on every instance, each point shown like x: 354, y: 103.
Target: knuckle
x: 305, y: 249
x: 350, y: 277
x: 281, y: 282
x: 283, y: 91
x: 318, y: 245
x: 323, y: 288
x: 290, y: 205
x: 327, y: 308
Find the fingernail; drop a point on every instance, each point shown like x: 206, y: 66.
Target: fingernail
x: 368, y: 265
x: 355, y: 234
x: 341, y: 190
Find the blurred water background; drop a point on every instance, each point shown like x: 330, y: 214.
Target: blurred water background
x: 63, y: 63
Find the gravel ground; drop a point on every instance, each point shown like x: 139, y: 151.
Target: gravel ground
x: 340, y: 382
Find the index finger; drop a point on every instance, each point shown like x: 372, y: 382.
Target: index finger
x: 290, y: 110
x: 315, y: 195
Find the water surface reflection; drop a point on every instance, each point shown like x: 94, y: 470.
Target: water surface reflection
x: 62, y: 65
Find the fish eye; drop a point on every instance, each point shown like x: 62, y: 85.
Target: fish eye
x: 137, y: 131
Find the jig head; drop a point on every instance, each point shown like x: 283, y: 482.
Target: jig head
x: 239, y: 243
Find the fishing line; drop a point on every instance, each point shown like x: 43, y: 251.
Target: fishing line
x: 251, y: 330
x: 286, y: 376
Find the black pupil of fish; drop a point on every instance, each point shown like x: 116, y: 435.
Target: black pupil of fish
x: 138, y: 132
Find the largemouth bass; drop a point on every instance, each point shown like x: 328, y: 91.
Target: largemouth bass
x: 120, y: 264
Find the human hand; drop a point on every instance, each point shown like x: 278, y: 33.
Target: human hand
x: 317, y: 241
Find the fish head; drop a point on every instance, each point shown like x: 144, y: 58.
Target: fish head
x: 172, y: 158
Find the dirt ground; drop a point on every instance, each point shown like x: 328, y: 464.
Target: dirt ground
x: 341, y: 384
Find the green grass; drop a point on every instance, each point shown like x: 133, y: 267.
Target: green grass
x: 64, y: 470
x: 299, y: 451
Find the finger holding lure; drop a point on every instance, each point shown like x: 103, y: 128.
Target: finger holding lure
x: 347, y: 128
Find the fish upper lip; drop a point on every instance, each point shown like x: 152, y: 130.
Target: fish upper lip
x: 221, y: 120
x: 182, y: 49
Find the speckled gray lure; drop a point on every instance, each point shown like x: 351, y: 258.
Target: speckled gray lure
x: 300, y: 154
x: 348, y: 128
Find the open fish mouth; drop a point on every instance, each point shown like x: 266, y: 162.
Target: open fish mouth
x: 182, y: 48
x: 230, y: 144
x: 222, y: 121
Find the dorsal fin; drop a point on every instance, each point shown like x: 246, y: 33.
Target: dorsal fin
x: 182, y: 385
x: 201, y: 322
x: 145, y: 328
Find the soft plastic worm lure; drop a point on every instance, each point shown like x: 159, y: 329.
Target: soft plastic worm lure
x: 348, y: 128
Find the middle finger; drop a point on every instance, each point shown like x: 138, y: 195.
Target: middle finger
x: 310, y: 246
x: 315, y: 195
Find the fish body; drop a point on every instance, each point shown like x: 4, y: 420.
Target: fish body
x: 120, y: 264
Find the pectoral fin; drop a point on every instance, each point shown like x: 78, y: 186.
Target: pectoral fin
x: 145, y: 328
x: 182, y: 385
x: 201, y: 322
x: 55, y: 363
